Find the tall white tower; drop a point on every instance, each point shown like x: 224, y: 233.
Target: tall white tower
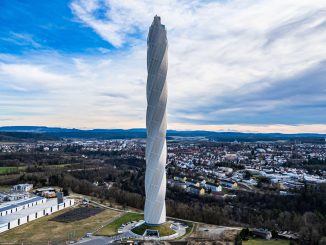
x: 156, y: 153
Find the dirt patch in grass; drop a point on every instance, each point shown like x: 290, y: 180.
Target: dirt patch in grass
x: 214, y: 233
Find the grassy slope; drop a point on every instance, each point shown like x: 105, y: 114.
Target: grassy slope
x: 42, y: 230
x: 113, y: 227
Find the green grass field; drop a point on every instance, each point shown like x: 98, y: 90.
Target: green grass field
x: 9, y: 170
x: 267, y: 242
x: 112, y: 228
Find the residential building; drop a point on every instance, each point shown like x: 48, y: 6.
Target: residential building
x: 22, y: 187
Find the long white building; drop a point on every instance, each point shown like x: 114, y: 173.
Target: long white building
x: 15, y: 206
x: 156, y: 152
x: 14, y: 215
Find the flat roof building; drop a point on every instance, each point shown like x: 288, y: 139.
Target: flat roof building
x: 22, y: 187
x: 32, y: 212
x: 14, y: 206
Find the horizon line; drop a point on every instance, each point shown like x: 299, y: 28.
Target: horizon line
x: 185, y: 129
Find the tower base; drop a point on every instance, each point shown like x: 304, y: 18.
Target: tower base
x: 154, y: 231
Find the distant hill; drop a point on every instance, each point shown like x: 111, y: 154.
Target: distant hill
x: 25, y: 137
x: 141, y: 133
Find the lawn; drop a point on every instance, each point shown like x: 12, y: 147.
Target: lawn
x: 12, y: 170
x: 112, y: 228
x: 42, y: 231
x: 164, y: 229
x: 267, y: 242
x: 5, y: 188
x: 8, y: 170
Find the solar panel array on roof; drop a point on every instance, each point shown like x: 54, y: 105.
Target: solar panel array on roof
x: 28, y: 211
x: 5, y: 207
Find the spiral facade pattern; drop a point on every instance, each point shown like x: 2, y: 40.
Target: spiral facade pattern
x: 156, y: 152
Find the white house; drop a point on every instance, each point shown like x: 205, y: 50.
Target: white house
x: 22, y: 187
x: 213, y: 187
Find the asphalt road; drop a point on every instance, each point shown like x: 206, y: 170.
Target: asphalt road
x: 98, y: 240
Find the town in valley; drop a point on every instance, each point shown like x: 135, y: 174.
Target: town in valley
x: 259, y: 185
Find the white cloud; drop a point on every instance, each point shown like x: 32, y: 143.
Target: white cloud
x: 72, y: 92
x: 217, y: 50
x: 21, y: 39
x: 32, y: 75
x: 217, y: 46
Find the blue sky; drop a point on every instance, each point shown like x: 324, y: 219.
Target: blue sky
x: 240, y: 65
x: 45, y: 25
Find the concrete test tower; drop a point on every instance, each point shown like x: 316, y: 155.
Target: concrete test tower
x: 156, y: 151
